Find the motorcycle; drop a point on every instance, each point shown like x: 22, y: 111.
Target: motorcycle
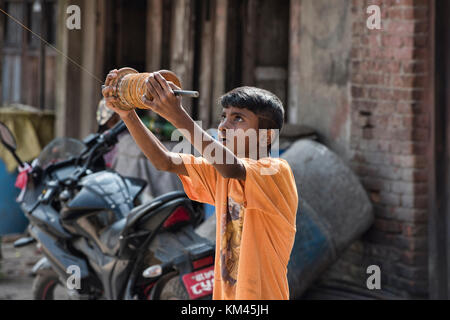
x: 98, y: 240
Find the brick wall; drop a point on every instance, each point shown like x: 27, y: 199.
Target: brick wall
x: 389, y: 135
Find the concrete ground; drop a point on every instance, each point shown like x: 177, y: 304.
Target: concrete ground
x: 15, y: 269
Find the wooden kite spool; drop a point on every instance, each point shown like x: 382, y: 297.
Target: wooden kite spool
x: 131, y: 87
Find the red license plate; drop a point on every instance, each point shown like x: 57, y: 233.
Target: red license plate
x: 199, y: 283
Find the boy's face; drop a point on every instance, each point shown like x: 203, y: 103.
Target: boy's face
x: 236, y: 127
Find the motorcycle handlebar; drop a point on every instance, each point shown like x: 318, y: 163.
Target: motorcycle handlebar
x: 106, y: 139
x: 115, y: 131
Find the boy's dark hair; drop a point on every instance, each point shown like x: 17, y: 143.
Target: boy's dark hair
x: 267, y: 106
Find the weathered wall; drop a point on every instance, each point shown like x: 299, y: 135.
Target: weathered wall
x: 389, y: 140
x: 324, y: 57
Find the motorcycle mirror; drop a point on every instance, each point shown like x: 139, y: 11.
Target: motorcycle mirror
x: 7, y: 138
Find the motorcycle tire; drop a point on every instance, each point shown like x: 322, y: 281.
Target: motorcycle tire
x: 44, y: 285
x: 174, y: 290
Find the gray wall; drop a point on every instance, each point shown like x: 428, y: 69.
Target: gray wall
x: 324, y: 71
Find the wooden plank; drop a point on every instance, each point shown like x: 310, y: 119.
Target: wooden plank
x: 182, y: 45
x: 249, y: 46
x: 234, y: 39
x: 31, y: 83
x: 131, y: 34
x: 166, y: 30
x: 50, y: 82
x: 219, y: 54
x: 6, y: 78
x: 206, y: 66
x: 110, y: 37
x: 190, y: 51
x: 61, y: 69
x: 271, y: 30
x: 88, y: 83
x: 294, y: 62
x: 24, y: 52
x: 74, y: 77
x: 154, y: 35
x: 100, y: 45
x: 213, y: 60
x: 42, y: 56
x: 17, y: 76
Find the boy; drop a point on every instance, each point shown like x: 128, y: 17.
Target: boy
x: 255, y: 195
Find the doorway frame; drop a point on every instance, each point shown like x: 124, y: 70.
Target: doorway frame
x: 439, y: 153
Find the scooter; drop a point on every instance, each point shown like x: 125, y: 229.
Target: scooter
x: 98, y: 241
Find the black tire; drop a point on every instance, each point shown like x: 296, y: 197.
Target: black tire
x: 44, y: 285
x: 174, y: 290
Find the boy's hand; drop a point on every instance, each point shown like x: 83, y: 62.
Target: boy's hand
x: 164, y: 101
x: 110, y: 93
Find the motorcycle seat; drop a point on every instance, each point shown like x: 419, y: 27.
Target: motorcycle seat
x: 111, y: 235
x: 138, y: 212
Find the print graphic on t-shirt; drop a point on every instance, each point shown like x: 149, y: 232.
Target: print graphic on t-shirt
x: 230, y: 244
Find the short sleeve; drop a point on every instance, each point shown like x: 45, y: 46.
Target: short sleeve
x: 200, y: 182
x: 270, y: 187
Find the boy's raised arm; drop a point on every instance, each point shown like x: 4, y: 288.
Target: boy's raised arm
x: 150, y: 145
x: 167, y: 105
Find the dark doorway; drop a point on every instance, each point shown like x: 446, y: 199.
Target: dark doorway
x: 258, y: 50
x: 126, y: 34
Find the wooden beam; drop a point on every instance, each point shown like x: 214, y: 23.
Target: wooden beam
x: 88, y: 83
x: 213, y: 60
x: 182, y: 45
x: 61, y: 69
x: 42, y: 56
x: 248, y: 45
x: 100, y: 43
x: 154, y: 35
x: 294, y: 62
x: 24, y: 63
x: 74, y: 75
x: 206, y: 65
x: 219, y: 54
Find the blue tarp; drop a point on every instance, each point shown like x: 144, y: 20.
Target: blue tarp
x: 12, y: 219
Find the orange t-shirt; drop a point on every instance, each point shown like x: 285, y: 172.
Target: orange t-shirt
x: 255, y: 227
